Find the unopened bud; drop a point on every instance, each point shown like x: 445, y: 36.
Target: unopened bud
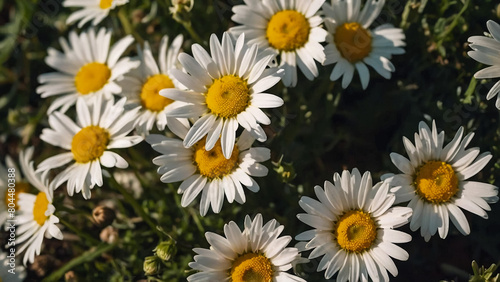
x: 109, y: 235
x: 180, y: 10
x: 286, y: 171
x: 166, y: 250
x: 103, y: 216
x: 152, y: 265
x: 179, y: 6
x: 70, y: 276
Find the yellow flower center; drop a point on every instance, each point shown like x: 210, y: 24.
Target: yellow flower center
x: 212, y: 164
x: 353, y: 41
x: 252, y: 268
x: 228, y: 96
x: 92, y: 77
x: 41, y: 205
x: 355, y: 231
x: 105, y: 4
x: 89, y: 143
x: 150, y: 94
x: 21, y: 187
x: 436, y: 182
x: 287, y: 30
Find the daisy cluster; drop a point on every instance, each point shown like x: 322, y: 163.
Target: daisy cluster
x: 200, y: 106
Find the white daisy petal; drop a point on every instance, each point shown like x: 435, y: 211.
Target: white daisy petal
x: 265, y: 100
x: 205, y: 61
x: 228, y: 137
x: 194, y: 69
x: 199, y: 130
x: 485, y: 50
x: 214, y: 134
x: 459, y: 220
x: 476, y: 166
x: 402, y: 163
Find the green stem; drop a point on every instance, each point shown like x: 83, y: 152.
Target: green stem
x: 450, y: 27
x: 154, y: 279
x: 139, y: 158
x: 190, y: 212
x: 72, y: 211
x: 197, y: 220
x: 79, y: 232
x: 192, y: 32
x: 182, y: 18
x: 470, y: 91
x: 135, y: 205
x: 127, y: 26
x: 30, y: 129
x: 85, y: 257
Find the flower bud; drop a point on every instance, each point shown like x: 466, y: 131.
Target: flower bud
x: 166, y: 250
x: 286, y: 171
x: 179, y: 6
x: 152, y: 265
x: 109, y: 235
x: 180, y: 10
x: 103, y: 216
x: 70, y: 276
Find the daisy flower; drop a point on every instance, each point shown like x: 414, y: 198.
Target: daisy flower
x: 11, y: 188
x: 352, y: 45
x: 256, y: 254
x: 100, y: 127
x: 209, y: 172
x: 434, y: 181
x: 92, y: 10
x: 485, y: 50
x: 87, y: 68
x: 142, y: 85
x: 353, y: 228
x: 289, y: 28
x: 224, y: 90
x: 36, y: 218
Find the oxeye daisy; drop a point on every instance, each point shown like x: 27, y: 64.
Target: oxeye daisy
x: 256, y: 254
x: 13, y: 182
x: 208, y: 171
x: 36, y: 218
x: 435, y: 181
x: 289, y: 28
x: 486, y: 51
x: 87, y: 68
x: 224, y: 90
x: 100, y: 127
x: 352, y: 45
x: 353, y: 228
x: 142, y: 85
x: 92, y: 10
